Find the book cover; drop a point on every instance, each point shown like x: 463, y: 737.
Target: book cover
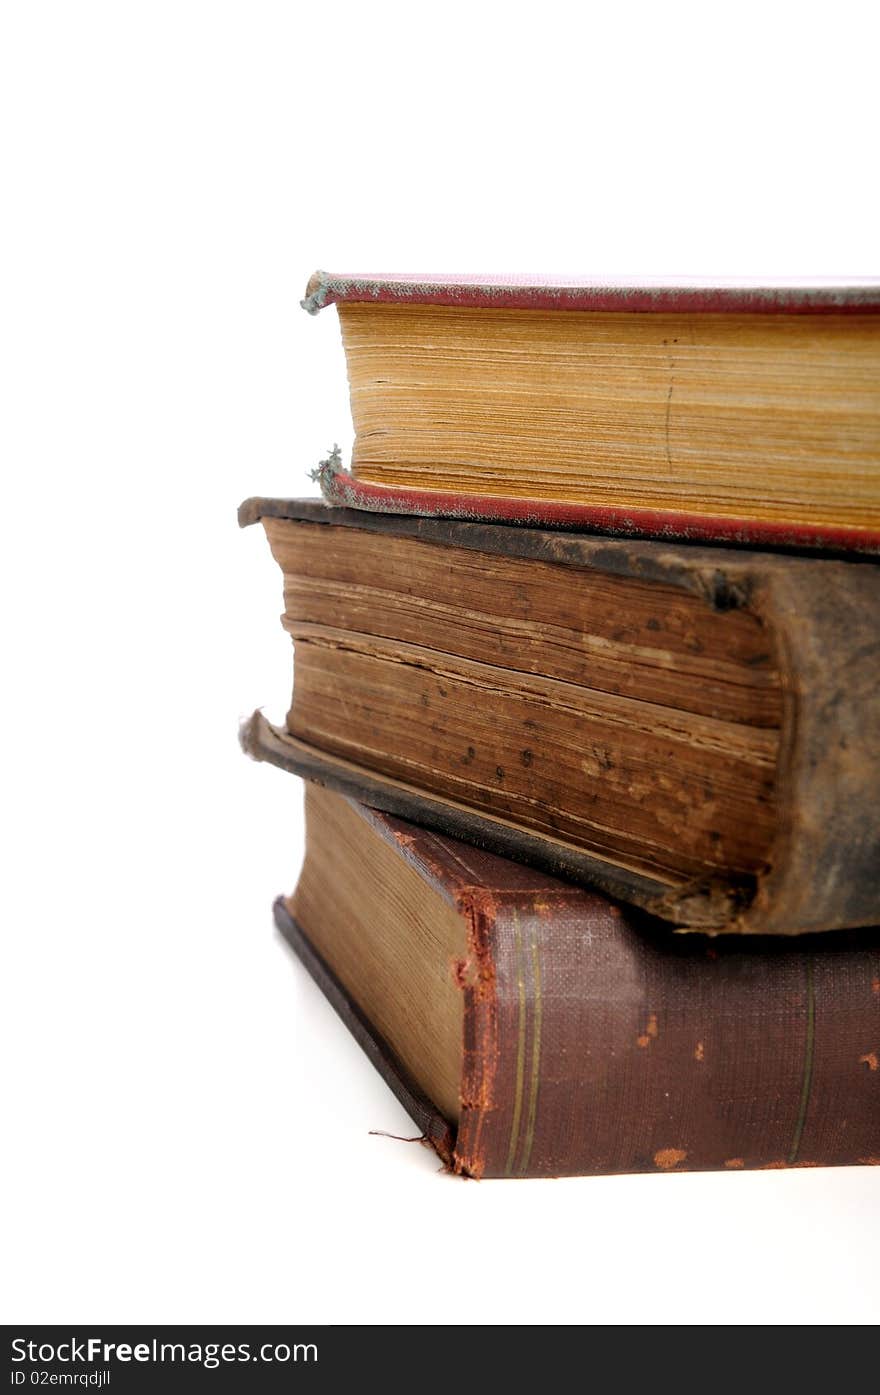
x: 340, y: 487
x: 723, y: 516
x: 644, y: 295
x: 820, y: 870
x: 595, y: 1042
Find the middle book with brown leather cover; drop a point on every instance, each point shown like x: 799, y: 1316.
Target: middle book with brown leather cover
x: 693, y: 730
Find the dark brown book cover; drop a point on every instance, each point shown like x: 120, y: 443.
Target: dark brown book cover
x: 595, y: 1042
x: 823, y: 616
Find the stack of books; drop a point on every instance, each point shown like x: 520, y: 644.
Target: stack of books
x: 587, y: 703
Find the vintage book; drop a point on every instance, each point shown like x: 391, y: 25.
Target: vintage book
x: 696, y: 731
x: 726, y: 412
x: 534, y: 1029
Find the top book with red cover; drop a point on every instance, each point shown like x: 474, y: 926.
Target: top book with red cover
x: 686, y: 347
x: 648, y: 295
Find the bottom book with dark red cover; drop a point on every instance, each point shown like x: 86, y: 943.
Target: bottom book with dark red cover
x: 535, y: 1029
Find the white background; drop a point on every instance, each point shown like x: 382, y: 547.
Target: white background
x: 188, y: 1124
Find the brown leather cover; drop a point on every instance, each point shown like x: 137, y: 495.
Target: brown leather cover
x: 595, y: 1041
x: 263, y: 741
x: 824, y: 618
